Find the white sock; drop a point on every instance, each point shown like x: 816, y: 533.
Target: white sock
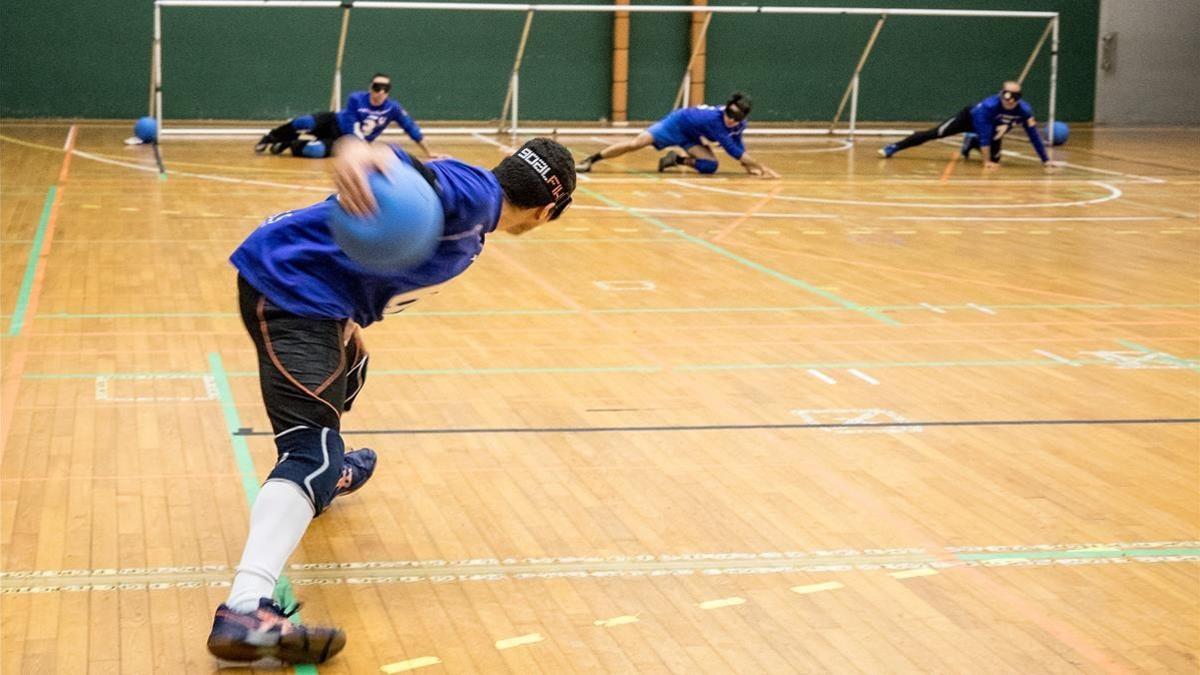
x: 280, y: 515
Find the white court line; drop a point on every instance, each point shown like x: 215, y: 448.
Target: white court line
x: 1034, y: 158
x: 1113, y: 193
x: 203, y: 176
x: 863, y: 376
x: 1055, y: 357
x: 933, y: 308
x: 981, y: 308
x: 70, y: 137
x: 821, y: 376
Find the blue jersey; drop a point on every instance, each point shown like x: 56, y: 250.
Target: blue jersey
x: 292, y: 259
x: 690, y: 126
x: 362, y: 119
x: 992, y: 121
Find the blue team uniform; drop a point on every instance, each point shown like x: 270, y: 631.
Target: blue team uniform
x: 992, y: 121
x: 692, y: 126
x: 361, y: 118
x: 292, y: 258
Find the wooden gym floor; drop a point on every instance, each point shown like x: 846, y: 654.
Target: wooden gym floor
x: 875, y: 417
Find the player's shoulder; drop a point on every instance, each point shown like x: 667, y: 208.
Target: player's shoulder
x: 1026, y: 108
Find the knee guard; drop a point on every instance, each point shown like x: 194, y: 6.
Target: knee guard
x: 304, y: 123
x: 315, y: 149
x: 706, y: 165
x: 312, y: 459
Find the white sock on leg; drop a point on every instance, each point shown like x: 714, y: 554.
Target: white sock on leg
x: 278, y: 520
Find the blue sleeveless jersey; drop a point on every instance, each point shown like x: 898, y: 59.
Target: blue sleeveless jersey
x: 292, y: 259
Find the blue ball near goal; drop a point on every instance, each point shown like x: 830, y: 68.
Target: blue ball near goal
x: 402, y: 233
x: 1061, y: 132
x: 146, y: 130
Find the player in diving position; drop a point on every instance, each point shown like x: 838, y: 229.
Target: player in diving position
x: 366, y: 115
x: 983, y: 126
x: 303, y: 301
x: 690, y: 128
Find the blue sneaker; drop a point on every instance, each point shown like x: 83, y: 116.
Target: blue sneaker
x: 357, y: 467
x: 267, y: 633
x: 970, y: 142
x: 888, y: 150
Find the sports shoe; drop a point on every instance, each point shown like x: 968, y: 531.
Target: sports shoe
x: 263, y: 143
x: 669, y: 160
x: 267, y: 633
x: 279, y: 148
x: 357, y: 467
x: 970, y: 142
x: 888, y: 150
x: 584, y: 166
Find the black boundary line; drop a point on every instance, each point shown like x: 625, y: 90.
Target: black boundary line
x: 249, y: 431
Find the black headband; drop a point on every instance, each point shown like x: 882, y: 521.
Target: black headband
x: 555, y: 188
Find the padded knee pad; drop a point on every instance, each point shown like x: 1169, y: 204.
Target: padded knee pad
x: 312, y: 459
x: 315, y: 149
x: 706, y: 165
x: 304, y: 123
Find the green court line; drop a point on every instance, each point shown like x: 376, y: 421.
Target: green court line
x: 1186, y: 363
x: 35, y: 252
x: 245, y: 464
x: 792, y: 281
x: 967, y: 363
x: 1080, y: 553
x: 65, y: 316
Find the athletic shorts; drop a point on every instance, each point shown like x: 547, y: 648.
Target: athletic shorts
x: 667, y: 134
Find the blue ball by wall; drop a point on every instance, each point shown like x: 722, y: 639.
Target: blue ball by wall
x: 146, y: 129
x: 402, y: 234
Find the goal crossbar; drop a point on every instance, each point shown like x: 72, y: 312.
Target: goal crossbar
x: 512, y: 94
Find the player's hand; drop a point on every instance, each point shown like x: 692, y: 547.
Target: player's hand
x: 1051, y: 167
x: 768, y: 173
x: 353, y: 161
x: 989, y: 165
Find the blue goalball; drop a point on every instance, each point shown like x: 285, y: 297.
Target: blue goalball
x: 1061, y: 132
x: 402, y: 234
x: 146, y: 130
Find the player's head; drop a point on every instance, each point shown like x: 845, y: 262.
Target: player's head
x: 737, y: 108
x: 381, y: 84
x: 1010, y: 94
x: 537, y: 180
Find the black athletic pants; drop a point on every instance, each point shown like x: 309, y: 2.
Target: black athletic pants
x: 310, y: 370
x: 325, y: 129
x: 960, y: 123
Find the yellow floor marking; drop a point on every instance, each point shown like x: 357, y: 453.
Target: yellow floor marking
x: 908, y: 574
x: 615, y: 621
x: 817, y: 588
x: 128, y: 208
x: 904, y: 231
x: 411, y: 664
x: 995, y: 231
x: 509, y: 643
x: 723, y: 602
x: 1126, y: 232
x: 89, y: 206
